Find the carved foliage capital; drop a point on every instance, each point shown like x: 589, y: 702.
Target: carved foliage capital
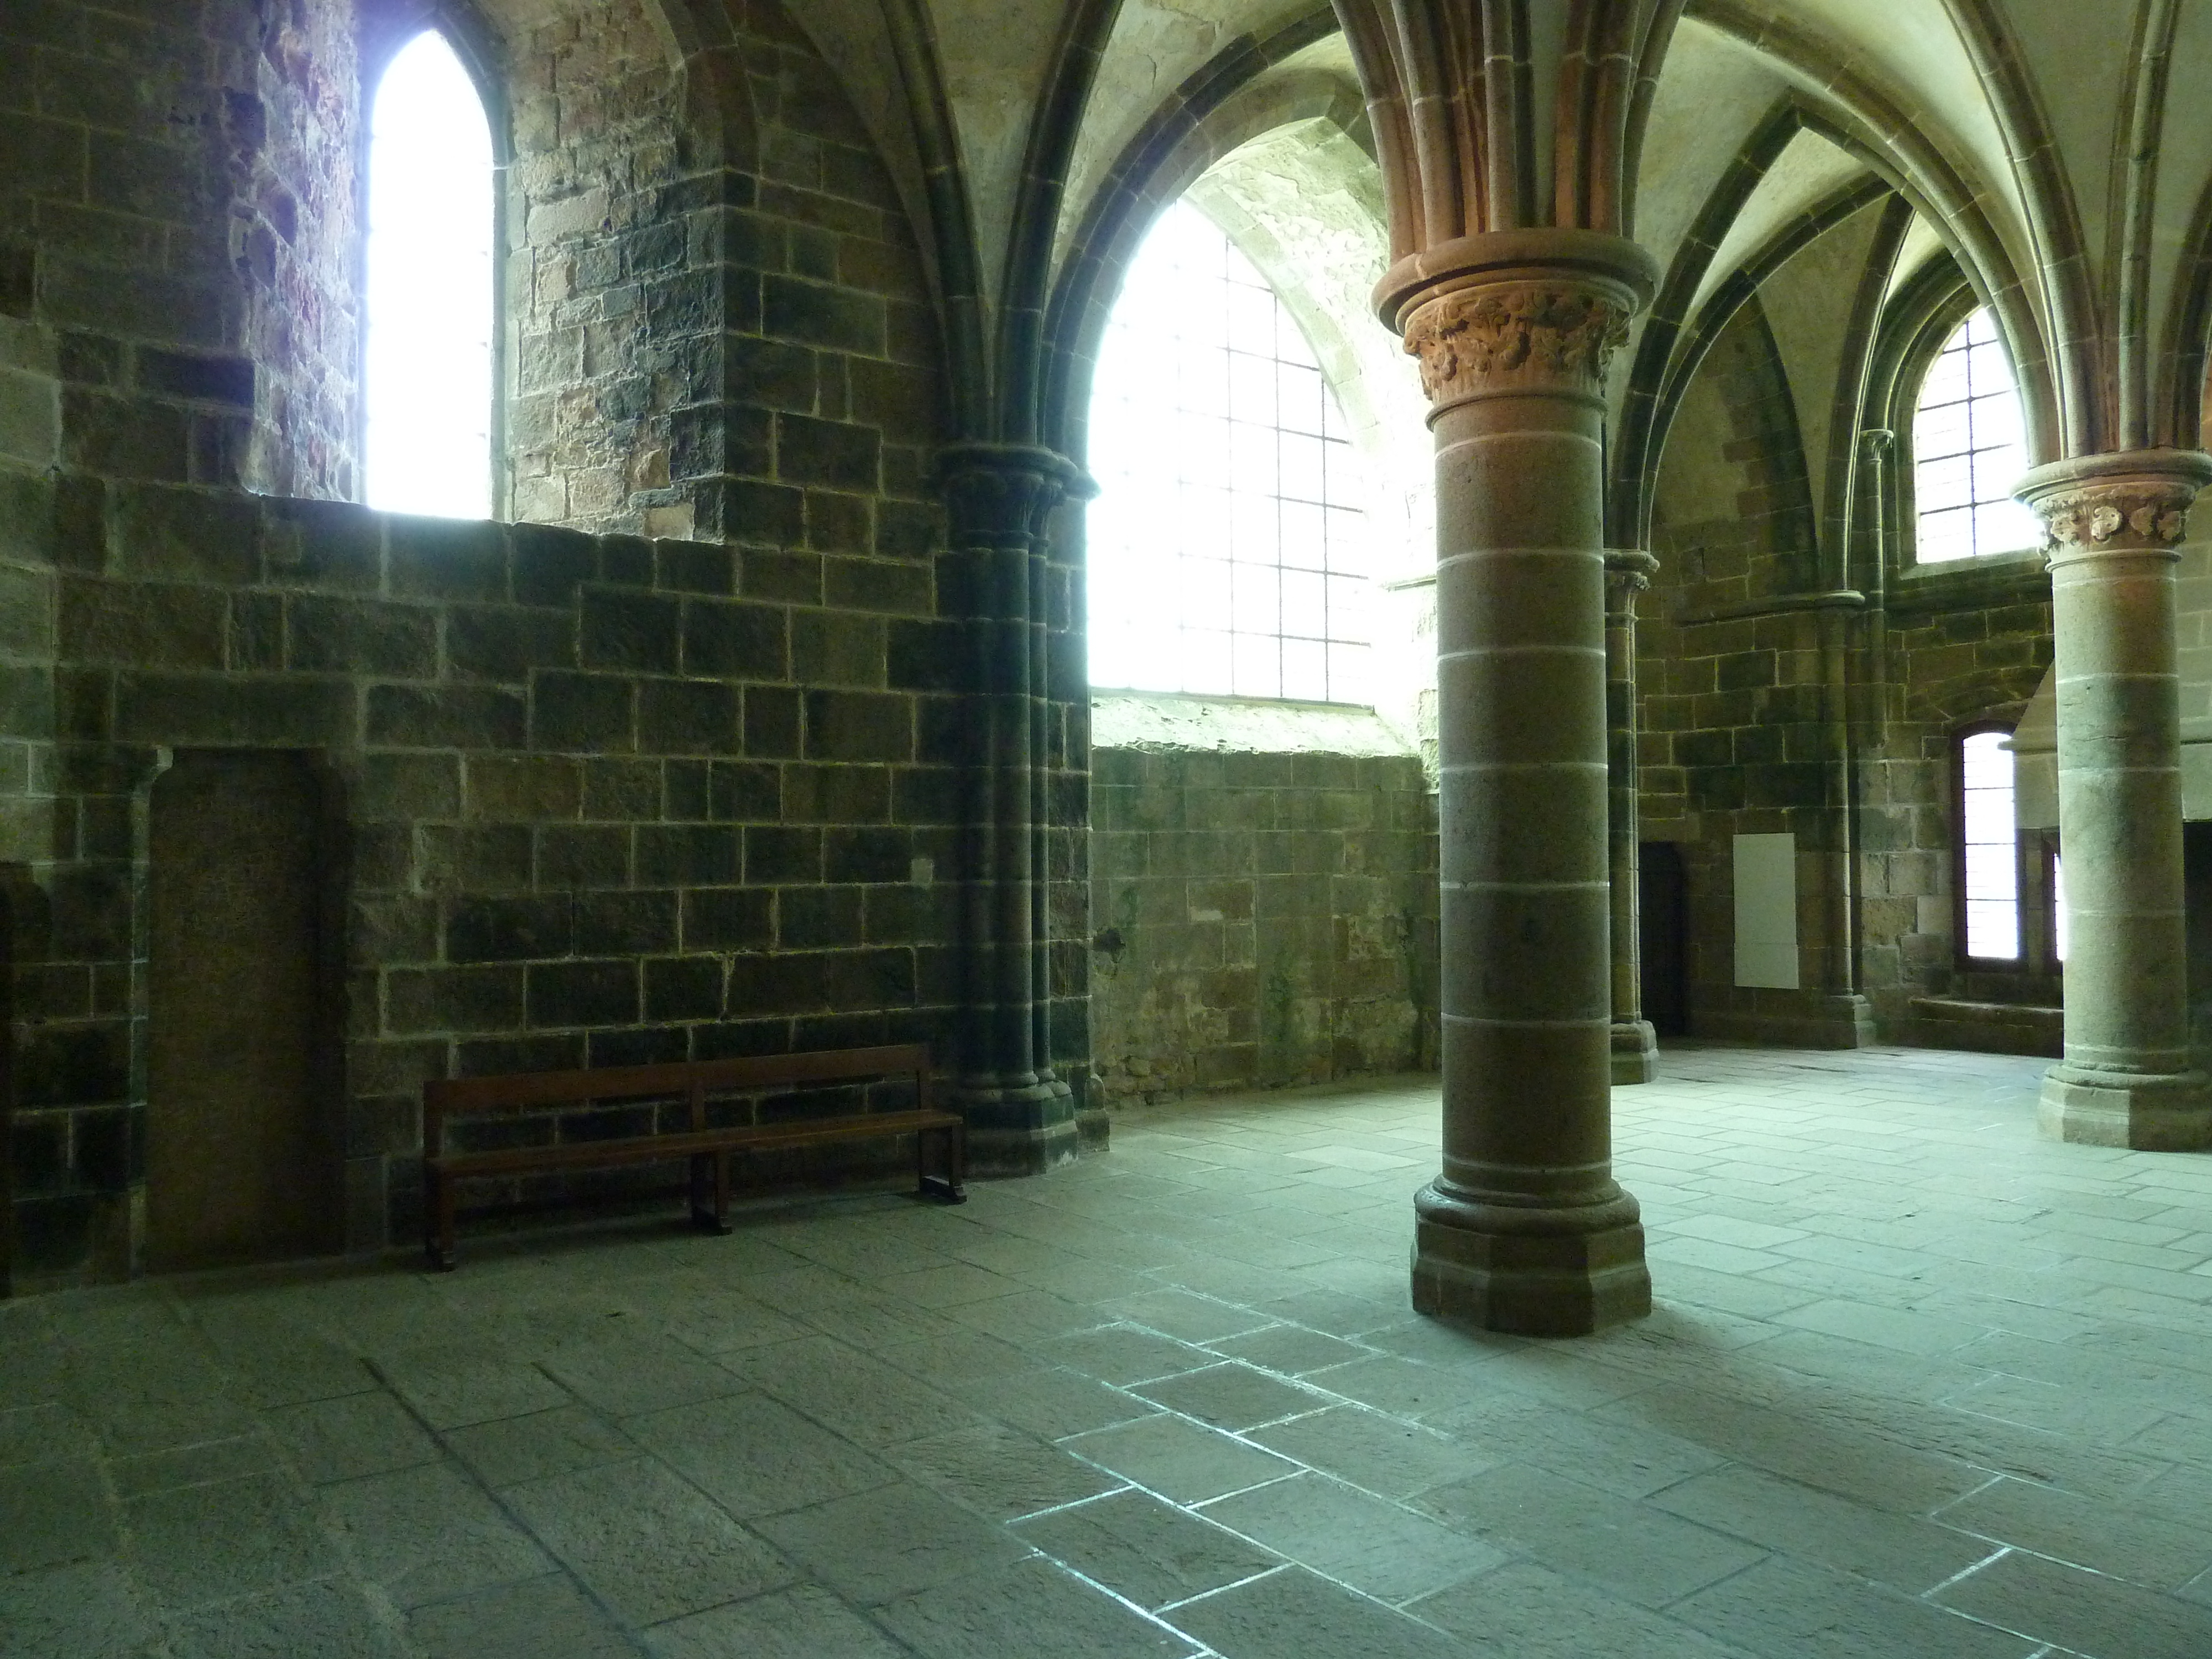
x: 1517, y: 336
x: 2131, y: 514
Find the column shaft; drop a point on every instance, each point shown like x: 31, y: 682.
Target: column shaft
x: 2116, y: 522
x: 1524, y: 1229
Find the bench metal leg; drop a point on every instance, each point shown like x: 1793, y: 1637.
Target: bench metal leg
x: 710, y: 1192
x: 947, y: 1189
x: 438, y: 1220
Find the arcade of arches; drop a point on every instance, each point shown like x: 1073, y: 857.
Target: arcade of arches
x: 1712, y: 486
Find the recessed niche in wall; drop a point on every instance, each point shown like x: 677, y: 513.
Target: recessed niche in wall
x: 242, y: 1146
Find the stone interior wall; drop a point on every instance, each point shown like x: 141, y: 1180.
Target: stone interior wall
x: 1736, y: 731
x: 1961, y: 646
x: 704, y: 340
x: 177, y: 218
x: 1264, y: 918
x: 1740, y: 733
x: 609, y: 801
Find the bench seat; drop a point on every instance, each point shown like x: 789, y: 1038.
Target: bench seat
x: 707, y: 1147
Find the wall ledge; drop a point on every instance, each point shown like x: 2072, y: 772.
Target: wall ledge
x: 1170, y: 722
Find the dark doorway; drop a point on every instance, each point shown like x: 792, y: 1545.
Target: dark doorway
x: 242, y: 1152
x: 1663, y: 922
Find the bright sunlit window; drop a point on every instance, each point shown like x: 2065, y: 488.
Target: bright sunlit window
x: 1990, y: 847
x: 430, y: 286
x: 1969, y: 449
x: 1226, y: 548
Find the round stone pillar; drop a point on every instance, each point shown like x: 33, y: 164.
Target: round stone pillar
x: 2115, y: 524
x: 1635, y: 1045
x: 1524, y: 1230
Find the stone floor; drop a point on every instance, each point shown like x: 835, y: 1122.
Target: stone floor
x: 1919, y: 1383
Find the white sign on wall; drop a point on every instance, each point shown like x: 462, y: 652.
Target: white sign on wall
x: 1766, y: 912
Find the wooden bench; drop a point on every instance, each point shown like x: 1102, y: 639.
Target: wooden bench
x: 685, y: 1087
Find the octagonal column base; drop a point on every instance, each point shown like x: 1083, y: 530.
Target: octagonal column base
x: 1529, y: 1273
x: 2150, y: 1113
x: 1635, y: 1051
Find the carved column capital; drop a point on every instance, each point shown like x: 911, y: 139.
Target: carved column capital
x: 2136, y: 502
x: 1000, y: 494
x: 1628, y: 572
x: 1518, y: 337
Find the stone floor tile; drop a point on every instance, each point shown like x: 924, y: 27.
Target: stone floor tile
x: 754, y: 1456
x: 1294, y: 1613
x: 1785, y: 1609
x: 1629, y: 1459
x: 328, y: 1619
x: 860, y: 1398
x: 999, y: 1474
x: 989, y: 1614
x: 1765, y: 1510
x: 627, y: 1375
x: 195, y: 1466
x: 1379, y: 1548
x: 1289, y: 1349
x: 948, y: 1286
x: 1405, y: 1388
x: 350, y: 1436
x: 1841, y: 1458
x: 1124, y: 1354
x: 1634, y: 1550
x: 40, y: 1434
x: 2085, y: 1612
x: 1231, y: 1396
x: 892, y: 1542
x: 544, y: 1618
x: 1050, y: 1403
x: 509, y: 1450
x: 54, y: 1513
x: 803, y: 1623
x: 1882, y: 1327
x: 1179, y: 1458
x: 1031, y: 1317
x: 1386, y: 1455
x: 268, y: 1538
x: 452, y: 1386
x: 717, y: 1322
x: 1522, y: 1611
x: 1187, y: 1317
x: 85, y: 1611
x: 1138, y: 1546
x: 2056, y: 1408
x: 274, y: 1361
x: 646, y: 1542
x: 2108, y: 1535
x: 142, y: 1397
x: 429, y: 1534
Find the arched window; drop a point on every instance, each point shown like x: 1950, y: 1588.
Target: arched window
x: 428, y: 366
x: 1969, y: 449
x: 1226, y: 551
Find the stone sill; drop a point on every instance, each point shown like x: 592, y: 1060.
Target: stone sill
x: 2000, y: 579
x: 1171, y: 722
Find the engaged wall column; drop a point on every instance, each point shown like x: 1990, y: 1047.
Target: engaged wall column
x: 1635, y: 1044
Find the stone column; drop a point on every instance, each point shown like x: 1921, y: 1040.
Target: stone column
x: 2115, y: 524
x: 1635, y: 1045
x: 1524, y: 1230
x: 998, y: 497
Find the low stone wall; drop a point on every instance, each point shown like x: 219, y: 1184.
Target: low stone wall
x: 1264, y: 893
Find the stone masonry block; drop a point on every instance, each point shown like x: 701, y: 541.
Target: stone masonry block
x: 524, y: 789
x: 859, y: 726
x: 448, y: 558
x: 448, y: 717
x: 640, y: 632
x: 589, y: 712
x: 208, y: 708
x: 570, y: 994
x: 728, y: 919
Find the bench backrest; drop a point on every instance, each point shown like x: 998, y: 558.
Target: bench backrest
x: 693, y: 1080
